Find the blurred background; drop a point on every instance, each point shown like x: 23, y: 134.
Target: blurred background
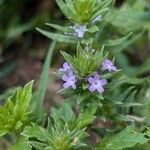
x: 22, y: 48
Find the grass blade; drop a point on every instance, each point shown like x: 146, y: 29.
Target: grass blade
x: 44, y: 82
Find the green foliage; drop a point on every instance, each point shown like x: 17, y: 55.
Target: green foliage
x: 118, y: 41
x: 15, y: 113
x: 133, y: 16
x: 147, y: 105
x: 21, y: 144
x: 43, y: 82
x: 121, y: 95
x: 127, y: 138
x: 86, y: 61
x: 60, y: 133
x: 83, y: 11
x: 58, y: 37
x: 80, y: 12
x: 83, y: 120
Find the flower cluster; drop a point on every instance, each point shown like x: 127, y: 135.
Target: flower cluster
x: 68, y: 76
x: 80, y: 30
x: 96, y: 84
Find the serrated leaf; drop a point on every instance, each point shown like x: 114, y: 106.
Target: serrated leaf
x: 15, y: 113
x: 127, y: 138
x: 35, y: 131
x: 22, y: 144
x: 85, y: 119
x: 67, y: 112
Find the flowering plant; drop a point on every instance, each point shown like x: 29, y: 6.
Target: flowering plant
x: 100, y: 99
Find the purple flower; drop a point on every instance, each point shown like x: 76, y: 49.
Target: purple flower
x: 66, y: 67
x: 96, y: 84
x: 70, y: 80
x: 108, y: 65
x: 80, y: 30
x: 98, y: 18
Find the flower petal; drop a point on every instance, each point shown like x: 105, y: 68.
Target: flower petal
x: 108, y: 65
x: 61, y: 70
x: 92, y: 88
x: 98, y: 18
x: 114, y: 68
x: 96, y: 77
x: 103, y: 82
x: 100, y: 89
x: 90, y: 79
x: 65, y: 78
x: 66, y: 85
x: 80, y: 30
x: 71, y: 73
x: 74, y: 86
x: 66, y: 65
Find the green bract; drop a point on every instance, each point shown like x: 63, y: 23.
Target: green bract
x: 86, y: 61
x: 83, y: 11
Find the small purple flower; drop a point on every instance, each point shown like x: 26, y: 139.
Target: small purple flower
x: 96, y: 84
x: 98, y: 18
x: 70, y: 80
x: 80, y: 30
x: 108, y: 65
x: 66, y: 67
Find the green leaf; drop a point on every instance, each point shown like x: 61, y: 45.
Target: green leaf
x: 68, y: 10
x: 103, y: 4
x: 126, y: 43
x: 132, y: 17
x: 58, y: 135
x: 22, y: 99
x: 15, y: 113
x: 147, y: 104
x: 93, y: 29
x: 22, y: 144
x: 145, y: 67
x: 43, y: 82
x: 85, y: 119
x: 58, y: 27
x: 127, y: 138
x: 35, y: 131
x: 58, y: 37
x: 117, y: 41
x: 66, y: 110
x: 38, y: 145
